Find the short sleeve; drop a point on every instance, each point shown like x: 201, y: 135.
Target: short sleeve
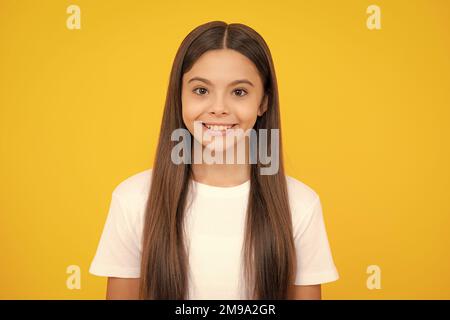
x: 118, y: 253
x: 315, y: 263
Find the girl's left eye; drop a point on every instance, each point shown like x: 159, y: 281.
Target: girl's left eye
x: 240, y: 92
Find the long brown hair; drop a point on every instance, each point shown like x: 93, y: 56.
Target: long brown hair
x: 268, y: 248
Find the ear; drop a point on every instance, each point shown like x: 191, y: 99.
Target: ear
x: 263, y: 106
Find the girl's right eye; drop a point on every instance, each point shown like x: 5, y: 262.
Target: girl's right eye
x: 200, y: 91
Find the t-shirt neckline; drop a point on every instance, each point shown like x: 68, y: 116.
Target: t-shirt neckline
x: 206, y: 189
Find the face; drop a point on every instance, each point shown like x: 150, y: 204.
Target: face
x: 221, y: 93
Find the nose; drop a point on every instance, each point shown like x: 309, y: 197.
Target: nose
x: 218, y: 107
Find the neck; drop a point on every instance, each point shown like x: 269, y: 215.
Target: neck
x: 221, y: 175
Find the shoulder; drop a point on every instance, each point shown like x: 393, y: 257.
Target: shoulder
x: 301, y: 195
x: 303, y: 201
x: 132, y: 194
x: 135, y: 185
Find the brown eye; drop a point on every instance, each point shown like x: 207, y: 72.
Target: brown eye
x: 240, y: 92
x: 202, y: 91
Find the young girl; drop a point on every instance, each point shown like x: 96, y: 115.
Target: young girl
x: 196, y: 230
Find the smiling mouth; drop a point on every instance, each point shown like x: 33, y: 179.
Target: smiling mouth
x: 214, y: 127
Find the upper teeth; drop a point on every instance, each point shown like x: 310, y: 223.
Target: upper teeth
x: 218, y: 128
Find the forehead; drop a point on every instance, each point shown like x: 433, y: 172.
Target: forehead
x: 223, y: 66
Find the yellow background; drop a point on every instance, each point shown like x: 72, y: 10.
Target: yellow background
x: 365, y: 117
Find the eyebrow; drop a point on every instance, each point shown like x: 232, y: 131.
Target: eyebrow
x: 231, y: 84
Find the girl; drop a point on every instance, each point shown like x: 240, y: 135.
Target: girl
x: 196, y: 230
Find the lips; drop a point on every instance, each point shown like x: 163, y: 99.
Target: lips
x: 218, y: 127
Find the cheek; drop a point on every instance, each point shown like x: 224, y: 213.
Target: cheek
x: 247, y: 114
x: 189, y: 111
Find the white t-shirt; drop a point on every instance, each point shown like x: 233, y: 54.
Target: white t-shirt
x: 215, y: 231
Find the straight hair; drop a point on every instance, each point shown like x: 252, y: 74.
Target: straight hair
x: 269, y: 261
